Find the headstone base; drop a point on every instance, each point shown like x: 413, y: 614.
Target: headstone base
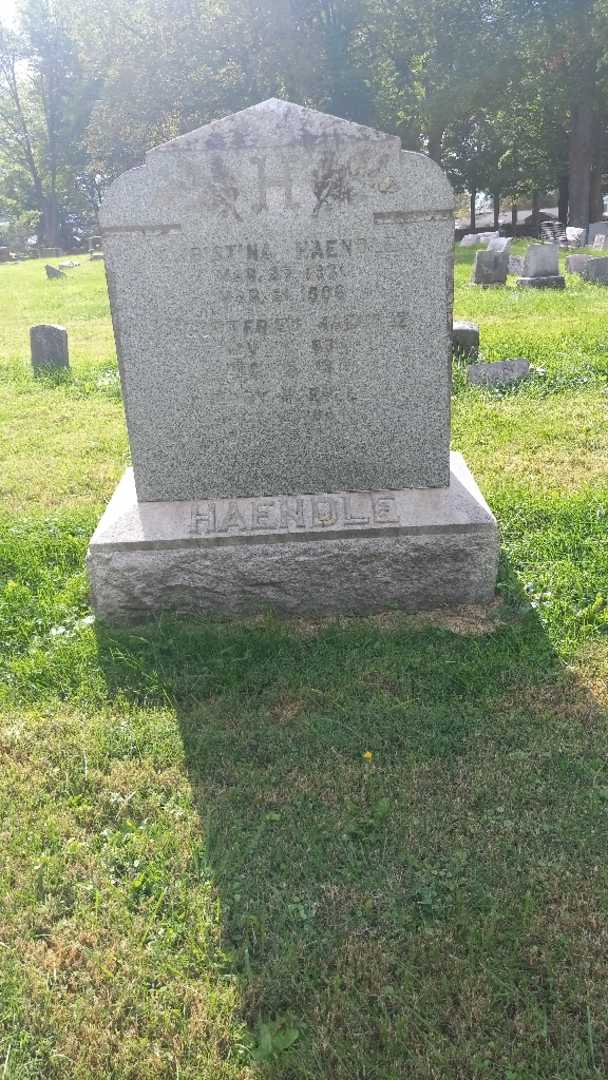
x: 340, y: 553
x: 554, y: 281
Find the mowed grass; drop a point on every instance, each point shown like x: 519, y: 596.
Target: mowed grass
x: 202, y: 875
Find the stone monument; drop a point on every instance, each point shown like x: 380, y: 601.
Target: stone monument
x: 490, y: 268
x: 49, y: 347
x: 541, y: 268
x: 281, y: 292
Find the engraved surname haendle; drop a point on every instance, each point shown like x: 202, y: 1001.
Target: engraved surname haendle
x: 385, y: 511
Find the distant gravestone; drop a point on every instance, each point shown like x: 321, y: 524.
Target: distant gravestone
x: 281, y: 288
x: 541, y: 268
x: 596, y: 271
x: 95, y: 243
x: 465, y: 338
x: 600, y: 242
x: 575, y: 263
x: 596, y: 228
x: 500, y: 373
x: 4, y: 254
x: 51, y: 253
x: 490, y: 268
x: 499, y: 243
x: 516, y: 264
x: 470, y: 240
x: 49, y: 347
x: 53, y: 272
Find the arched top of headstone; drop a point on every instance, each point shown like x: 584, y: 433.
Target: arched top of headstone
x: 275, y: 157
x: 275, y: 123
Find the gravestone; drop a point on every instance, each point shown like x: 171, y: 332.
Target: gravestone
x: 490, y: 268
x: 471, y: 240
x: 53, y: 272
x: 541, y: 268
x: 596, y: 270
x: 4, y: 254
x: 281, y: 289
x: 600, y: 242
x: 516, y: 264
x: 465, y: 338
x: 499, y: 373
x: 575, y: 263
x: 95, y: 243
x: 49, y: 347
x: 499, y: 243
x: 596, y: 228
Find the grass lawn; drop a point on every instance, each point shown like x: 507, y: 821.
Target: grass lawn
x: 203, y: 874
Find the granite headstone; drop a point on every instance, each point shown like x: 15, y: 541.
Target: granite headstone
x: 596, y: 270
x: 49, y: 347
x: 490, y: 268
x: 541, y: 268
x: 281, y: 289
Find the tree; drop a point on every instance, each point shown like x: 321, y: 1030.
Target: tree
x: 45, y: 104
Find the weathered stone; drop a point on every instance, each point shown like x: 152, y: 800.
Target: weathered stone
x: 465, y: 338
x: 95, y: 243
x: 51, y: 252
x: 4, y: 254
x: 556, y: 281
x: 576, y: 237
x: 49, y: 347
x: 541, y: 260
x: 596, y: 228
x: 53, y: 272
x: 596, y: 271
x: 96, y: 256
x: 68, y: 265
x: 499, y: 373
x: 471, y: 240
x: 600, y: 242
x: 281, y: 287
x: 267, y: 342
x: 541, y: 268
x: 516, y: 264
x: 490, y: 268
x: 325, y: 553
x: 499, y: 243
x: 575, y: 263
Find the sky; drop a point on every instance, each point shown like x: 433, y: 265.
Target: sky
x: 7, y: 8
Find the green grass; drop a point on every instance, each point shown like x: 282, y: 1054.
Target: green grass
x: 202, y: 876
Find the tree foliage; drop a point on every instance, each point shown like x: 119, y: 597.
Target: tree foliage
x: 509, y: 95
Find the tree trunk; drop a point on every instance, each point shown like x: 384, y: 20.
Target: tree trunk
x: 562, y: 206
x: 473, y: 198
x: 50, y: 221
x: 514, y: 218
x: 581, y: 148
x: 496, y: 206
x: 596, y: 203
x: 434, y: 144
x: 535, y: 223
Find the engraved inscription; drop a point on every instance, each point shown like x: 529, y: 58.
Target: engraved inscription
x: 290, y: 514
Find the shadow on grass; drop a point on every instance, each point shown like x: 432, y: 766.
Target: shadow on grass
x: 402, y: 823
